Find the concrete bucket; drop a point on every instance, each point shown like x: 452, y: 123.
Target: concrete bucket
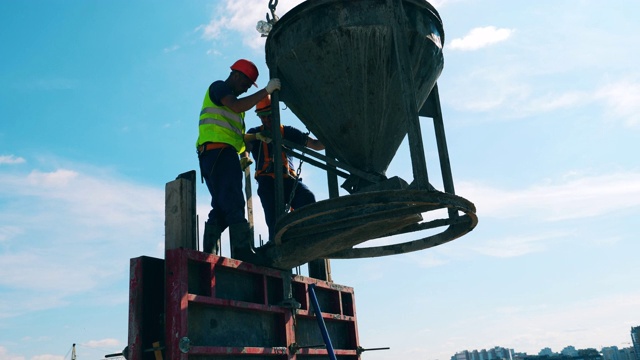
x: 352, y: 71
x: 358, y: 73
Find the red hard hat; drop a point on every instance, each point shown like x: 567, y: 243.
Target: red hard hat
x: 248, y: 68
x: 264, y: 106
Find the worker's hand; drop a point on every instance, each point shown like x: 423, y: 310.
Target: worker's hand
x: 245, y: 162
x: 273, y: 85
x: 264, y: 136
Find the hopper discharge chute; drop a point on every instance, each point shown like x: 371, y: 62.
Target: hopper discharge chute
x: 358, y: 74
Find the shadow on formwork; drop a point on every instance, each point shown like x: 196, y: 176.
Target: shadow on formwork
x: 360, y: 74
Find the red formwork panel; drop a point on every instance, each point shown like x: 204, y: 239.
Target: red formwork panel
x: 225, y: 309
x: 146, y: 307
x: 221, y: 308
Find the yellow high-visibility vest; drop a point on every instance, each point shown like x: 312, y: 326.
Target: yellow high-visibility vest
x: 220, y: 124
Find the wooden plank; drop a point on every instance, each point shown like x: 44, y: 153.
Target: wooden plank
x: 248, y: 195
x: 156, y: 350
x: 180, y: 213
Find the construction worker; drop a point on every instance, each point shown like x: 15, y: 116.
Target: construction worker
x: 263, y: 153
x: 221, y: 139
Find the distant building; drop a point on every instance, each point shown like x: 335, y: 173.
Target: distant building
x: 546, y: 352
x: 519, y: 355
x: 500, y: 353
x: 484, y: 355
x: 462, y: 355
x: 611, y: 353
x: 635, y: 338
x: 497, y: 353
x: 627, y: 354
x: 569, y: 351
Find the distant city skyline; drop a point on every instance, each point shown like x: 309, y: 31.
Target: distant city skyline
x: 498, y: 352
x: 605, y: 353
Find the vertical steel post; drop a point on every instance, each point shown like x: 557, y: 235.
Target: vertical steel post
x: 416, y: 147
x: 277, y: 149
x: 321, y: 268
x: 441, y: 140
x: 443, y: 153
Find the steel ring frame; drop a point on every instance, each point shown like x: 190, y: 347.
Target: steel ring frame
x: 418, y: 201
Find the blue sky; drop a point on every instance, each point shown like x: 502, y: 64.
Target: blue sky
x: 541, y: 102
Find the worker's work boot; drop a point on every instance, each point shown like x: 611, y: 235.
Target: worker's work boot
x: 241, y: 239
x: 211, y: 238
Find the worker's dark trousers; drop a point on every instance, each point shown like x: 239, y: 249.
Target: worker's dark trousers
x: 266, y: 191
x: 223, y: 176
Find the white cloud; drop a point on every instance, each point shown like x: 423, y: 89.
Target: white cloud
x: 47, y: 357
x: 171, y: 48
x: 8, y: 231
x: 11, y: 159
x: 239, y: 17
x: 585, y: 323
x: 4, y: 355
x: 516, y: 245
x: 597, y: 321
x: 575, y: 197
x: 35, y: 271
x: 441, y: 3
x: 480, y: 37
x: 622, y: 100
x: 102, y: 343
x: 509, y: 91
x: 550, y: 102
x: 94, y: 199
x: 56, y: 179
x: 490, y: 88
x: 601, y: 320
x: 70, y: 226
x: 427, y: 259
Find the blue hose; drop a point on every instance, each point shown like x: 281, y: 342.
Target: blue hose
x: 323, y: 327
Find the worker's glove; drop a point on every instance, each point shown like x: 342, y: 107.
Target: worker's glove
x: 264, y: 136
x: 245, y: 162
x: 273, y: 85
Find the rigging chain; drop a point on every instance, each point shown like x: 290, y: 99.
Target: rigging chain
x: 295, y: 183
x: 272, y: 8
x: 293, y: 188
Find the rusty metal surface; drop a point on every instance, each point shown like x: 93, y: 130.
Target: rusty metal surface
x: 146, y: 306
x: 224, y: 320
x: 339, y: 68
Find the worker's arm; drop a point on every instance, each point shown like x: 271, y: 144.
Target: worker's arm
x: 247, y: 143
x: 264, y: 136
x: 248, y: 138
x: 314, y: 144
x: 245, y: 103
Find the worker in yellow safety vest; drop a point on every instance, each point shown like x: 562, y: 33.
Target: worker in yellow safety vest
x: 296, y: 194
x: 220, y: 141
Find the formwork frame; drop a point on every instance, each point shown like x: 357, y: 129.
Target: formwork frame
x: 221, y: 308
